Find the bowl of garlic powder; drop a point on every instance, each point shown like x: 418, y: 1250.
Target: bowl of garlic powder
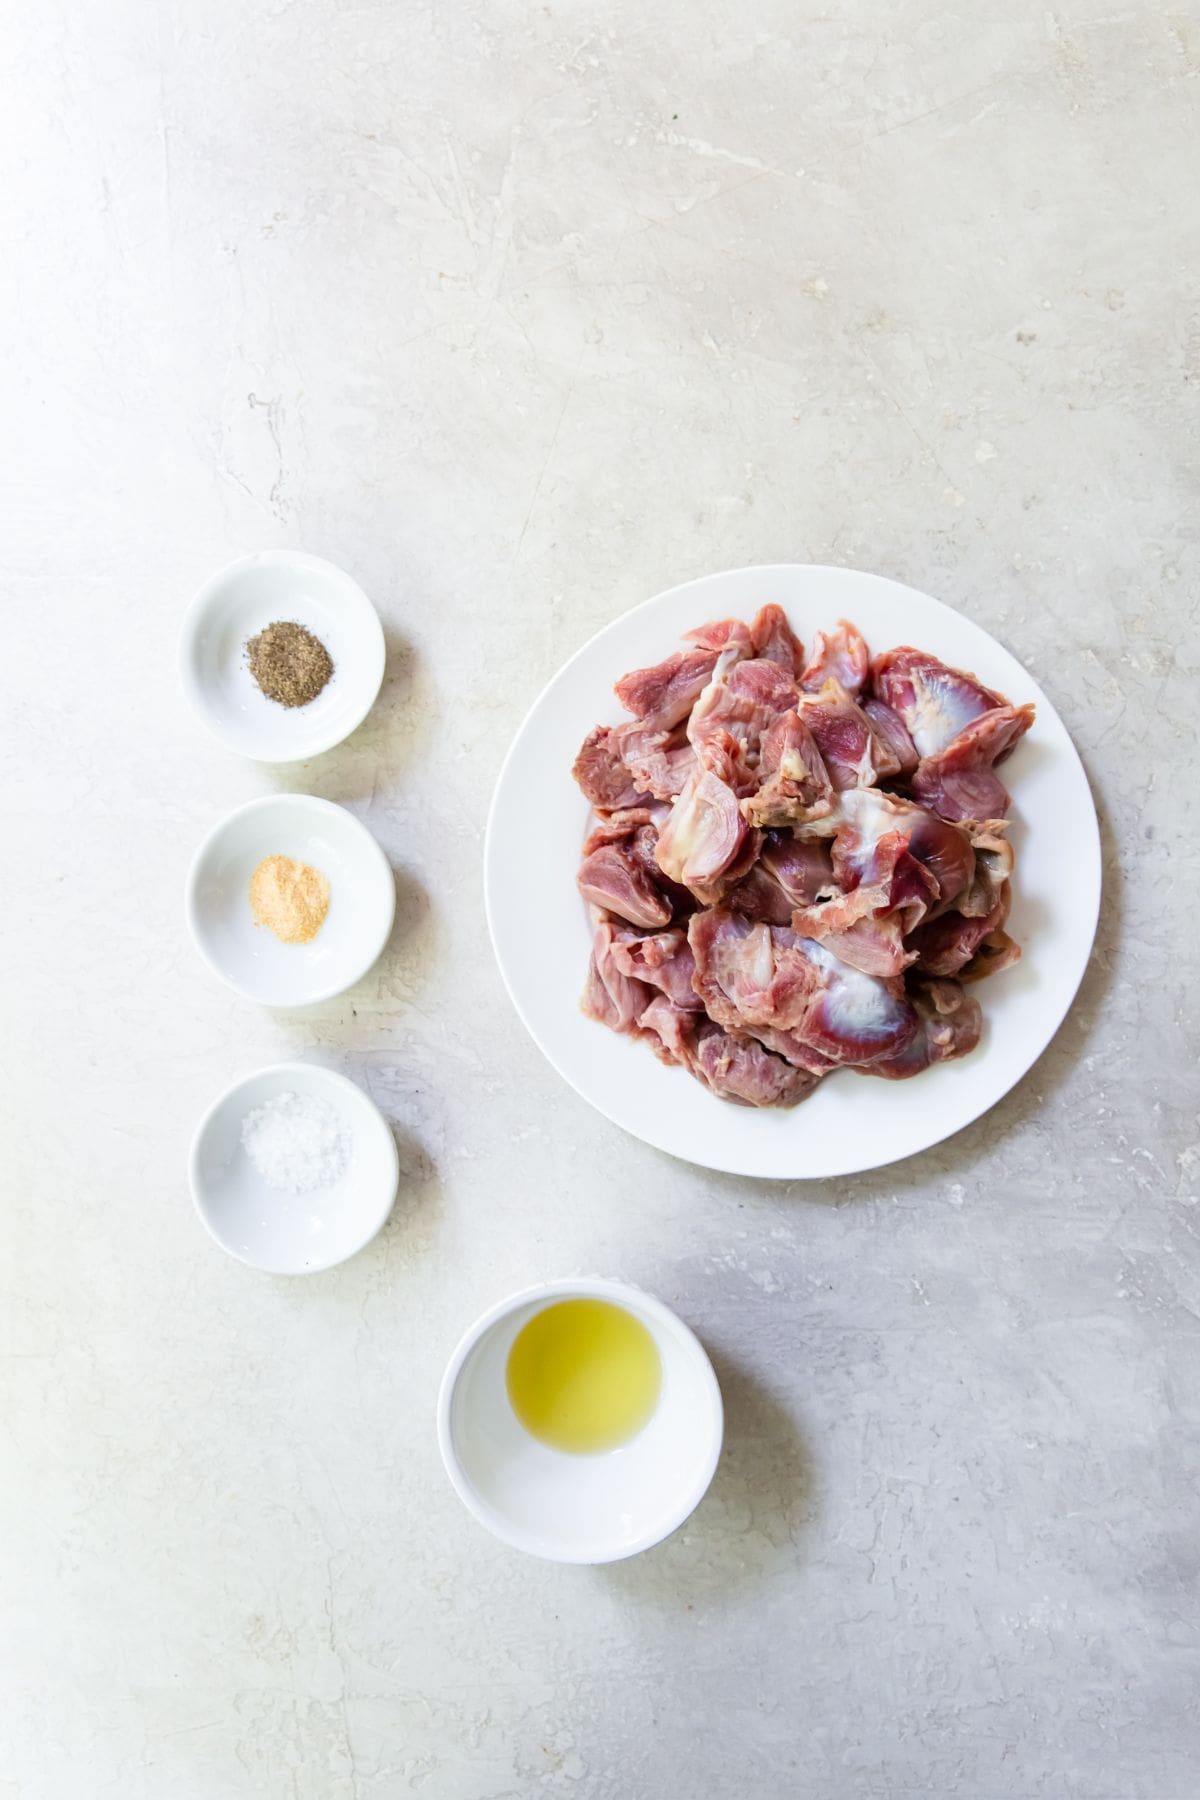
x: 290, y: 900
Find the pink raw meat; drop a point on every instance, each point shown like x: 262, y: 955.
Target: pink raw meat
x: 993, y: 868
x: 969, y: 940
x: 789, y: 872
x: 768, y: 906
x: 749, y: 974
x: 660, y: 697
x: 724, y: 634
x: 867, y: 818
x: 960, y: 782
x: 854, y: 754
x: 867, y: 926
x: 763, y: 975
x: 663, y: 769
x: 611, y: 996
x: 935, y: 702
x: 663, y: 960
x: 732, y: 714
x: 803, y: 867
x: 741, y: 1070
x: 952, y: 943
x: 889, y: 727
x: 794, y: 782
x: 842, y: 654
x: 735, y: 1067
x: 611, y: 878
x: 949, y: 1024
x: 704, y: 833
x: 601, y: 769
x: 622, y: 822
x: 775, y: 641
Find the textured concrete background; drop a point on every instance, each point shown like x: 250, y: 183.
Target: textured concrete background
x: 523, y: 313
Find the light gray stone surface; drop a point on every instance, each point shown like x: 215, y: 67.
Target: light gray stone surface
x: 522, y: 313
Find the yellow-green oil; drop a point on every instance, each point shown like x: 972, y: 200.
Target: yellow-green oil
x: 583, y: 1376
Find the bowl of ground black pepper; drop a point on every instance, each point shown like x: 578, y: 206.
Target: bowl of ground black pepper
x: 282, y: 655
x: 290, y: 900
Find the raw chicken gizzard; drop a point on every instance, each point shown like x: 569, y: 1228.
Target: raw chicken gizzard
x: 797, y: 865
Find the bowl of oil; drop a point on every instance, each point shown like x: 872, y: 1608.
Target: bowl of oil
x: 580, y: 1421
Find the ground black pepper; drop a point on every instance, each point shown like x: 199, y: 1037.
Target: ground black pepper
x: 289, y: 664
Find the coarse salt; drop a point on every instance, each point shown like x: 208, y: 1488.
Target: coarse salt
x: 296, y: 1142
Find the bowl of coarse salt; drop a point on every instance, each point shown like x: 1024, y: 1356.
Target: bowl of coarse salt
x: 293, y: 1169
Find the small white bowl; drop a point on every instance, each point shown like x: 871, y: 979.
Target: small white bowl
x: 232, y: 607
x: 579, y: 1509
x: 362, y: 900
x: 274, y: 1229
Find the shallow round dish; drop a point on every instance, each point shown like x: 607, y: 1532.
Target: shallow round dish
x: 273, y: 1229
x: 536, y: 829
x: 232, y: 607
x: 362, y: 900
x: 589, y: 1508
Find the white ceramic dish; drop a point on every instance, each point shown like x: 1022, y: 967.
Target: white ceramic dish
x: 278, y: 1231
x: 541, y: 936
x: 235, y: 604
x: 579, y: 1509
x: 362, y: 900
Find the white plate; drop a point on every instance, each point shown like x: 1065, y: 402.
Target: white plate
x: 273, y: 1229
x: 362, y: 900
x: 579, y: 1509
x: 232, y: 607
x: 540, y: 930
